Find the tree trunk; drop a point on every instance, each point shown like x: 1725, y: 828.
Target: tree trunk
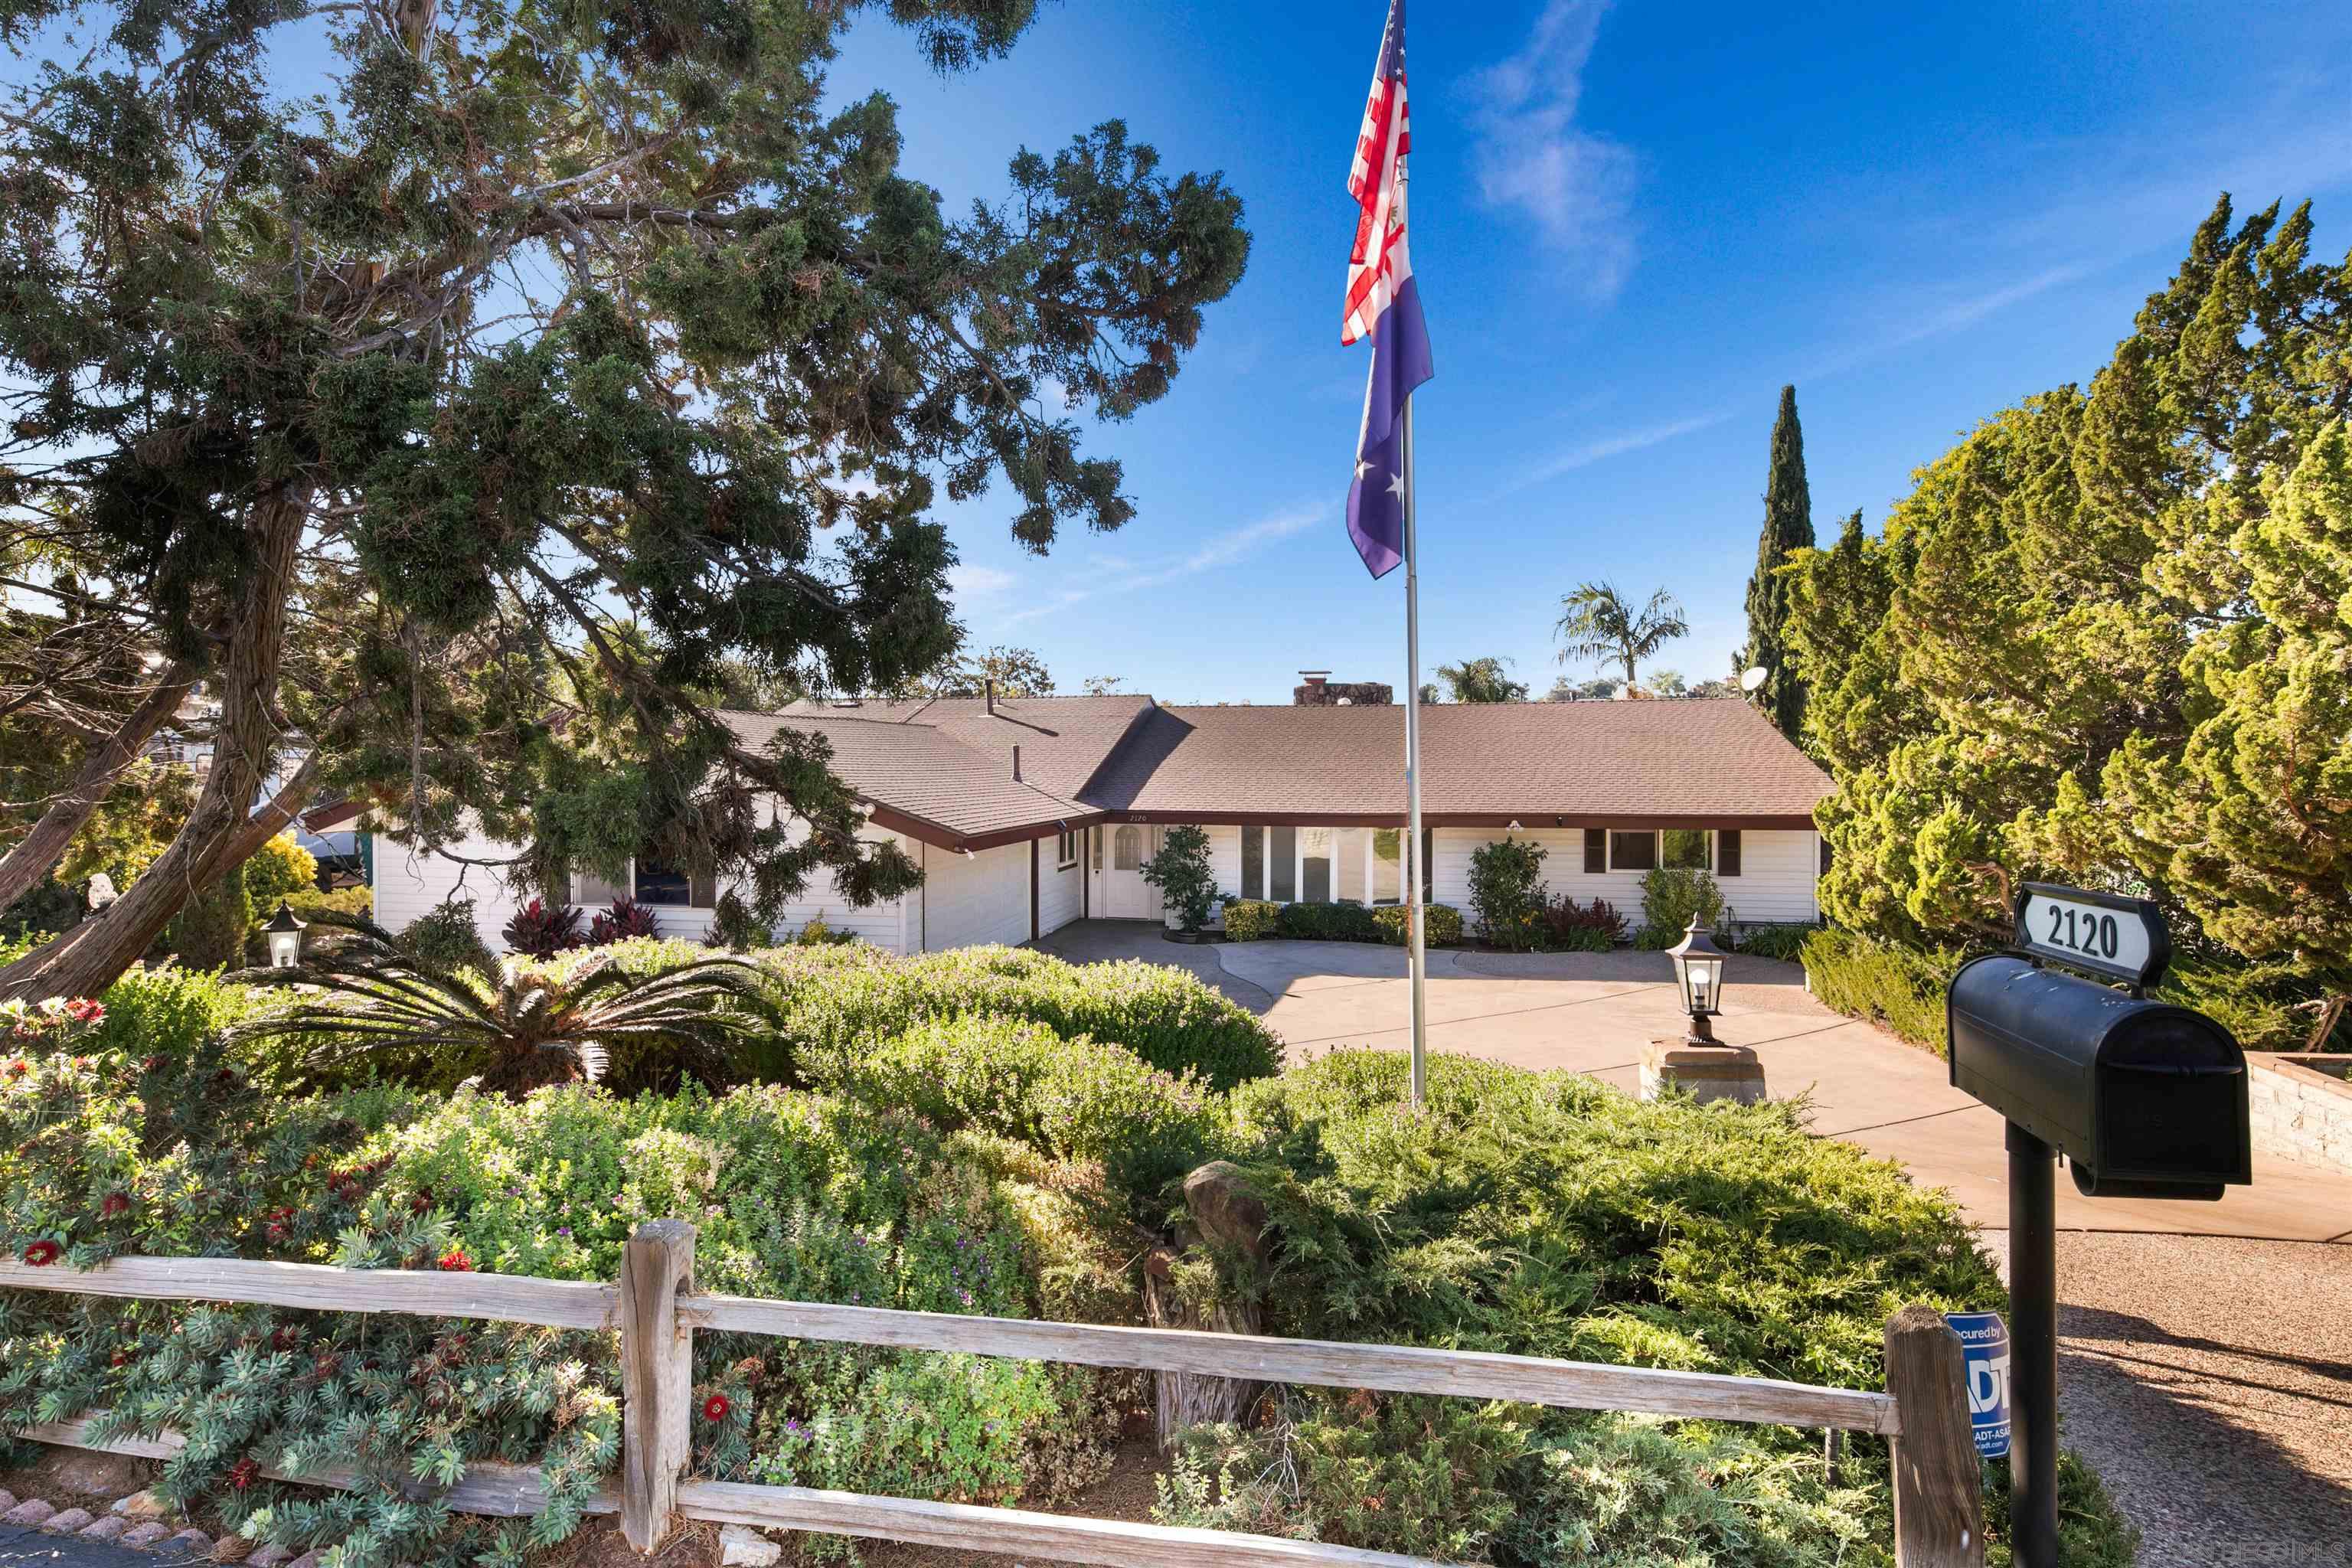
x: 1224, y: 1213
x: 33, y: 855
x: 222, y: 828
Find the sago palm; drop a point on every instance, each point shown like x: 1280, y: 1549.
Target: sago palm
x: 1596, y: 623
x: 529, y: 1028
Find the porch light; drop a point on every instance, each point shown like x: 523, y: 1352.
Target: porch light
x: 285, y: 934
x: 1698, y: 973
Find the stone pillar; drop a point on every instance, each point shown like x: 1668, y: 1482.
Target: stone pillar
x: 1704, y: 1072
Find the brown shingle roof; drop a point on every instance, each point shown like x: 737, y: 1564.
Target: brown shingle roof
x: 1698, y: 758
x: 948, y: 762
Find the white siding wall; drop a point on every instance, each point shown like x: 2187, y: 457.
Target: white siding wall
x: 1775, y: 882
x: 1225, y: 859
x: 1060, y: 894
x: 985, y: 898
x: 408, y: 886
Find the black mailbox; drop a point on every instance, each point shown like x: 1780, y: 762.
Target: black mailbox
x: 2147, y: 1100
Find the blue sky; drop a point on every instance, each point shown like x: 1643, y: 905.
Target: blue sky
x: 1633, y: 223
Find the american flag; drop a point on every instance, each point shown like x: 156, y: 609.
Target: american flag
x: 1384, y: 305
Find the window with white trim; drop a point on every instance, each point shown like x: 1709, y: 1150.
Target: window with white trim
x: 1065, y: 848
x: 647, y: 881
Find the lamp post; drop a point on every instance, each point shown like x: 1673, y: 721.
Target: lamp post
x: 1698, y: 973
x: 285, y: 934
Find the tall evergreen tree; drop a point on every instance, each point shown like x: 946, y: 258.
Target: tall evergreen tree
x: 467, y: 412
x: 1788, y: 526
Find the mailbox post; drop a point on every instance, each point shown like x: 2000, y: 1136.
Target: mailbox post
x: 2143, y: 1099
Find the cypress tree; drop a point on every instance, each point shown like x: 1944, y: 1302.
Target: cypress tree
x: 1788, y: 526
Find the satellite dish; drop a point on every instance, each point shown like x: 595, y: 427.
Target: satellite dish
x: 1754, y: 679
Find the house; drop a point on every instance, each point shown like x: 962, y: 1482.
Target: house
x: 1028, y: 812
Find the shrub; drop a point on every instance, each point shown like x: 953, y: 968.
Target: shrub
x: 1443, y: 926
x: 1670, y: 899
x: 625, y: 919
x: 1781, y: 941
x: 1507, y: 892
x: 42, y: 911
x: 1248, y: 919
x: 816, y: 933
x: 1327, y: 922
x: 447, y: 938
x: 1180, y: 871
x: 543, y: 932
x: 1901, y: 987
x: 347, y: 902
x: 1571, y: 927
x: 1072, y: 1099
x: 210, y: 929
x: 734, y: 926
x: 1544, y: 1213
x: 849, y: 999
x: 278, y: 870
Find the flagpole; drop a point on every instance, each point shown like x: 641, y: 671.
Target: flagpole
x: 1415, y: 924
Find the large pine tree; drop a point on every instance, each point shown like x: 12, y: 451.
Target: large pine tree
x: 467, y: 393
x: 1788, y: 526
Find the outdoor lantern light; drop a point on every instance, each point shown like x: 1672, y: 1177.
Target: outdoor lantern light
x: 1699, y: 971
x: 285, y: 935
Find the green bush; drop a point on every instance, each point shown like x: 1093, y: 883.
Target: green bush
x: 210, y: 929
x: 1443, y: 927
x: 1883, y: 982
x: 1180, y: 871
x: 847, y: 1000
x: 1781, y: 941
x: 1670, y: 899
x: 1070, y: 1098
x: 447, y: 938
x: 1508, y: 893
x: 1327, y: 922
x: 278, y: 870
x: 1248, y: 919
x: 1544, y: 1213
x: 348, y: 901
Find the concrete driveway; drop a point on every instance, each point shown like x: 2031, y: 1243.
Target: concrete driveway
x: 1593, y: 1011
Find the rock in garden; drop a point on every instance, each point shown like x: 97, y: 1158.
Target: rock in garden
x: 143, y: 1535
x: 740, y: 1546
x: 308, y: 1560
x: 66, y: 1523
x: 32, y: 1510
x: 106, y: 1529
x: 143, y: 1505
x: 8, y: 1500
x: 268, y: 1555
x: 98, y: 1474
x: 193, y: 1542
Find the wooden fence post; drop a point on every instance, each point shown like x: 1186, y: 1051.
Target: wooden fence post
x: 656, y: 1378
x: 1938, y: 1480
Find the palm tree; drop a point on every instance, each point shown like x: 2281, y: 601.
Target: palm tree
x: 1482, y: 681
x: 1596, y: 623
x: 532, y: 1028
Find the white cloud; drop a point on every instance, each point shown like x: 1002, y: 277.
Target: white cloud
x: 1606, y: 447
x: 1576, y: 185
x: 967, y: 582
x: 1125, y: 576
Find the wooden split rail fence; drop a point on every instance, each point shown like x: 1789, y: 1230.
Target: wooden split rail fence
x: 1938, y: 1510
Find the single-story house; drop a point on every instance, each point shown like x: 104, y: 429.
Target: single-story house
x: 1027, y: 813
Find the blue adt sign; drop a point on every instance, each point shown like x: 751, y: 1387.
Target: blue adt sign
x: 1984, y: 1339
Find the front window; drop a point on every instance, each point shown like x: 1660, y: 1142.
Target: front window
x: 1686, y: 849
x: 647, y: 880
x: 1632, y: 851
x: 1388, y: 865
x: 661, y: 884
x: 1066, y: 850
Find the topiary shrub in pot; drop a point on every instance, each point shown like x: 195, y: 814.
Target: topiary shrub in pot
x: 1180, y: 871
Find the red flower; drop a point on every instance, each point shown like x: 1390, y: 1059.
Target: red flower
x: 455, y: 1261
x: 716, y: 1407
x: 119, y: 1358
x: 19, y: 1067
x: 422, y: 1201
x: 114, y: 1203
x: 152, y: 1064
x: 41, y: 1254
x: 86, y: 1010
x: 243, y: 1474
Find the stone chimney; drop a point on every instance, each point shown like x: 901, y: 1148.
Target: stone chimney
x: 1319, y: 691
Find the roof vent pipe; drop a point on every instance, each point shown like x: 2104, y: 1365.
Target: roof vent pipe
x: 1016, y: 765
x: 988, y: 691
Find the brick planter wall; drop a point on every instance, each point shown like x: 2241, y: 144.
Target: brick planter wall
x: 2299, y: 1112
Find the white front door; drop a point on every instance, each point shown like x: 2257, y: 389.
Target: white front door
x: 1124, y: 894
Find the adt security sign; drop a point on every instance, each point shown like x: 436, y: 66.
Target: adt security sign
x: 1984, y: 1339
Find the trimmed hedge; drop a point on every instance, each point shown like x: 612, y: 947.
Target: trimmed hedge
x: 1251, y: 920
x: 1327, y: 922
x: 1901, y: 987
x: 835, y: 1000
x: 1443, y: 926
